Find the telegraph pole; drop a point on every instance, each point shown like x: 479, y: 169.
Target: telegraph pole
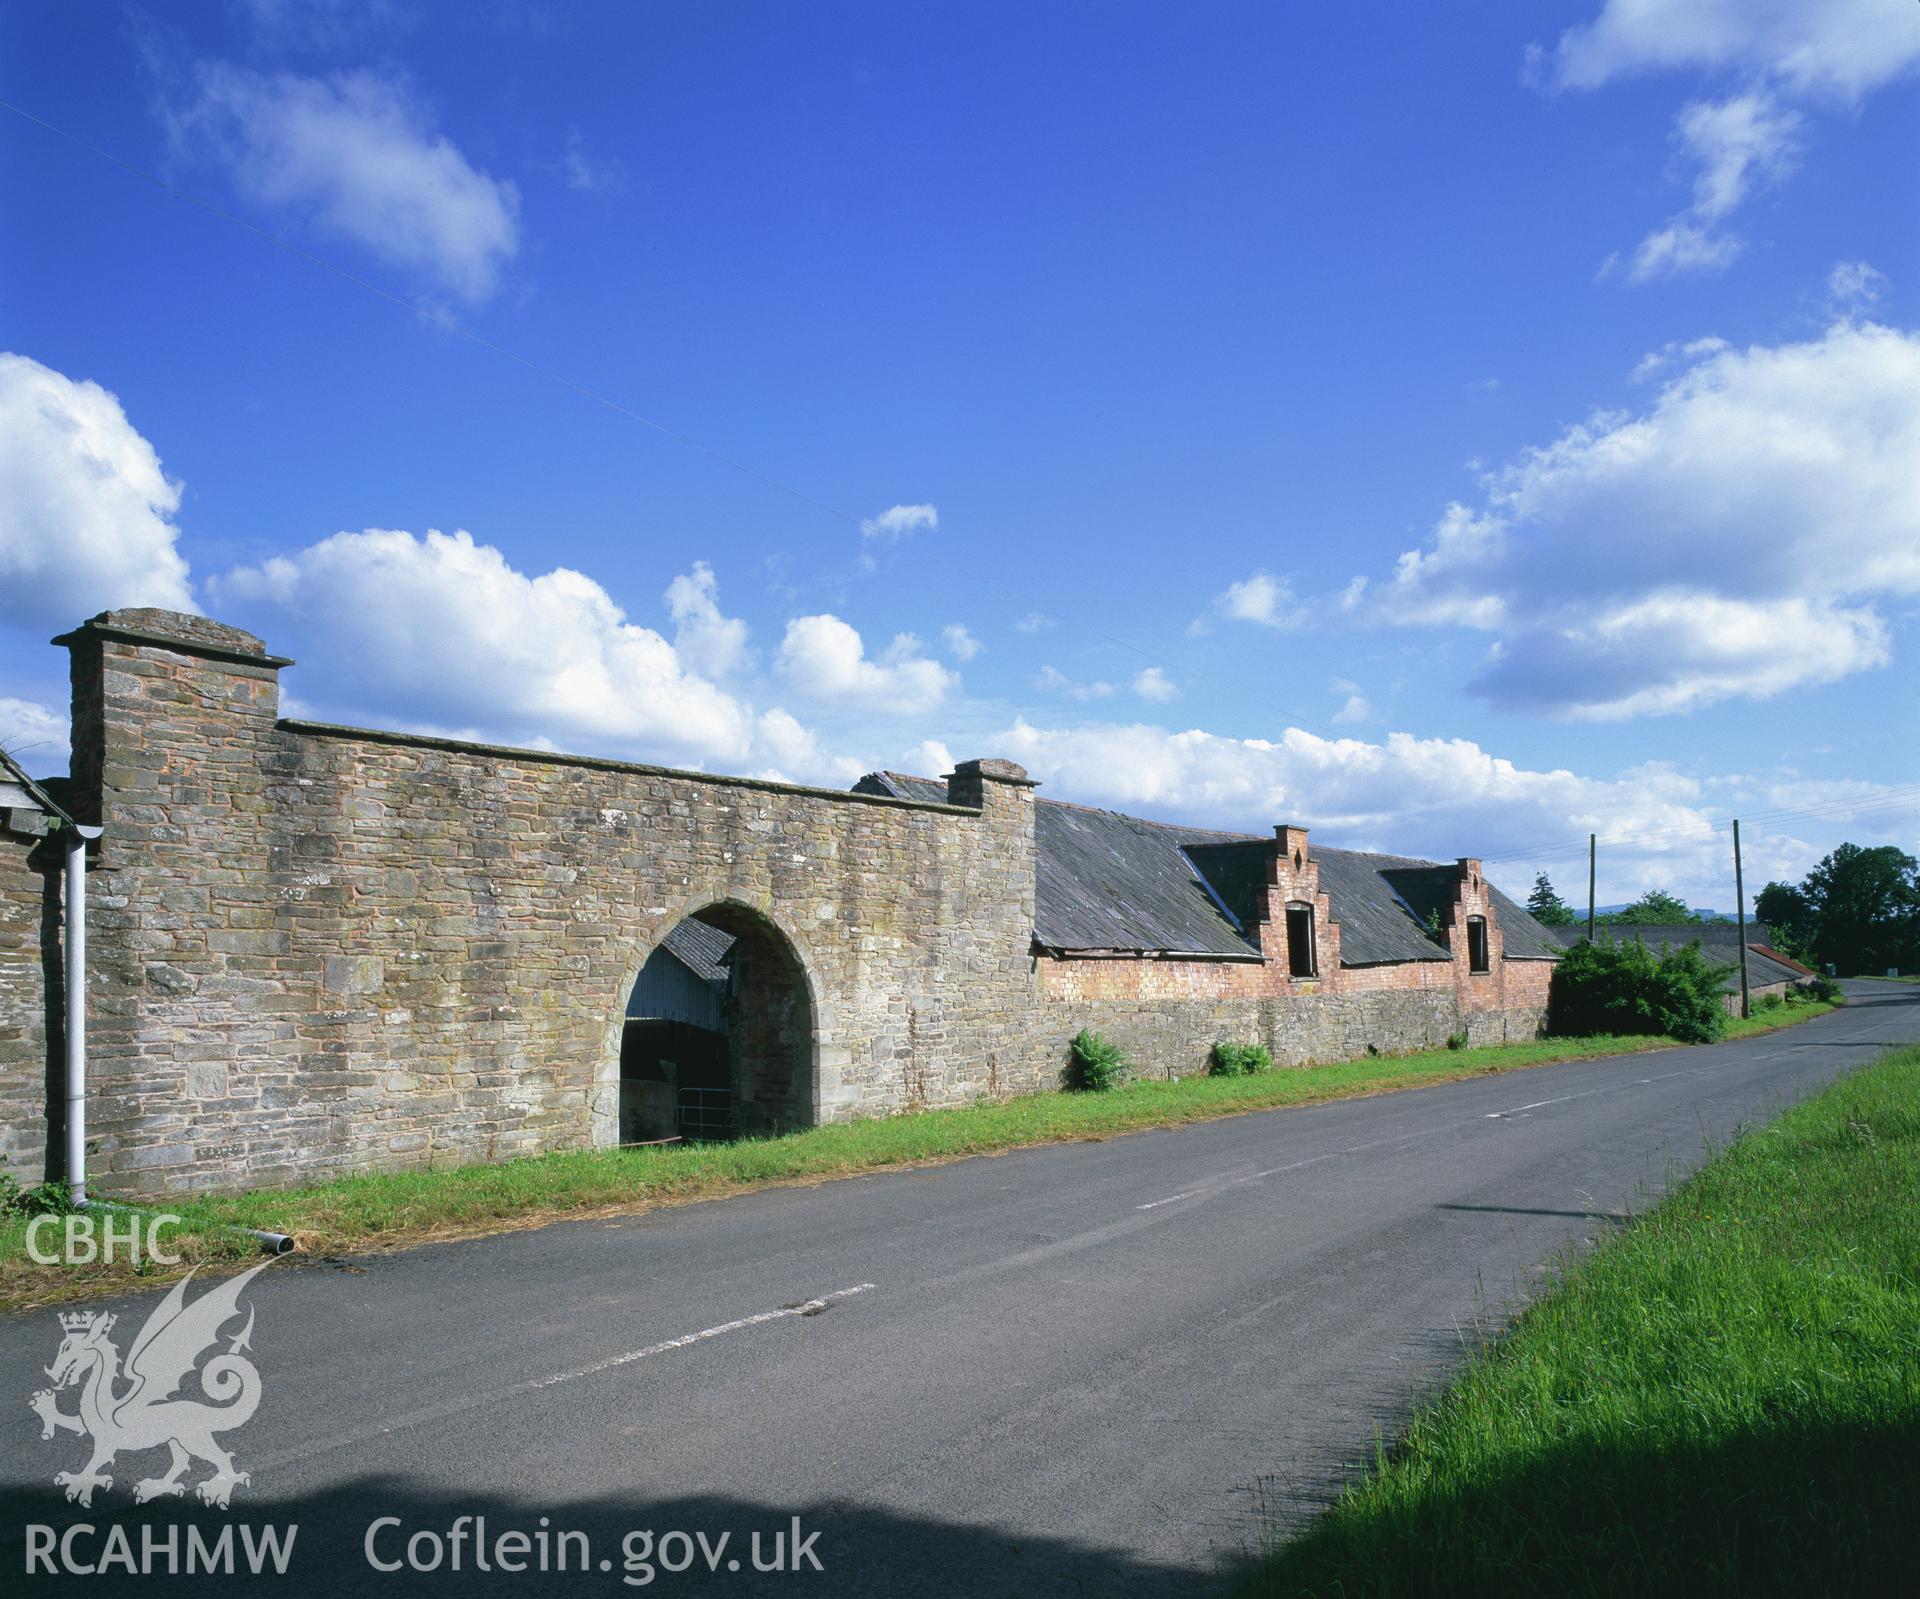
x: 1740, y: 915
x: 1590, y: 853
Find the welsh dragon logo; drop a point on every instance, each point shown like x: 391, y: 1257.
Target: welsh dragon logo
x: 136, y: 1410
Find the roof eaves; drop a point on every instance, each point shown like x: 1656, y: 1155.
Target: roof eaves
x: 39, y: 795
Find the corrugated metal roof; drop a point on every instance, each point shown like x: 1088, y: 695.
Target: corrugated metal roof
x: 1779, y: 959
x: 1104, y: 880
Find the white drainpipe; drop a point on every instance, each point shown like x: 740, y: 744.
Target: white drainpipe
x: 76, y: 975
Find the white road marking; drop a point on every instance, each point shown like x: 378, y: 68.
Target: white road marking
x: 1495, y: 1115
x: 1222, y: 1183
x: 454, y: 1407
x: 809, y: 1307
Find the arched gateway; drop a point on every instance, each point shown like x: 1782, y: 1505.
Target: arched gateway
x: 719, y: 1038
x: 320, y: 949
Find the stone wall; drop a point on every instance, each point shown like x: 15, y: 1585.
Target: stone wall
x: 1174, y: 1039
x: 1172, y: 1036
x: 320, y: 949
x: 31, y: 996
x: 1730, y: 1002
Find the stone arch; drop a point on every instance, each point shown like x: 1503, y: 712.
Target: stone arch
x: 771, y: 1028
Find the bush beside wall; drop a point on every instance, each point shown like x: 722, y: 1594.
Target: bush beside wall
x: 1626, y: 988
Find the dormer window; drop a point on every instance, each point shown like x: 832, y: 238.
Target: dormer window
x: 1477, y: 944
x: 1300, y: 955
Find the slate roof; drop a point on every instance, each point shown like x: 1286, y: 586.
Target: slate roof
x: 1104, y: 880
x: 20, y: 792
x: 701, y: 949
x: 1719, y: 942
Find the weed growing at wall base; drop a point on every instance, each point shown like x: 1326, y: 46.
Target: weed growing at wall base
x: 1093, y: 1064
x: 1239, y: 1060
x: 387, y: 1209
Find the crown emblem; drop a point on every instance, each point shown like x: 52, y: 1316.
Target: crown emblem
x: 85, y: 1321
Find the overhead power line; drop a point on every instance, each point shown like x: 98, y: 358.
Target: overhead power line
x: 1568, y: 849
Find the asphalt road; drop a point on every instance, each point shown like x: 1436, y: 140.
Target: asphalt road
x: 1095, y: 1368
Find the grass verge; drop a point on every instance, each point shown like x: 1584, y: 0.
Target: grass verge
x: 391, y: 1209
x: 1725, y: 1398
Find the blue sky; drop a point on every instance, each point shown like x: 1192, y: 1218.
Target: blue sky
x: 1458, y: 428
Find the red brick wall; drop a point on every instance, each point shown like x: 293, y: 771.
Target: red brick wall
x: 1510, y: 985
x: 1507, y: 1001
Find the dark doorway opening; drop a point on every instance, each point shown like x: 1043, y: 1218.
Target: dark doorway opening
x: 718, y: 1041
x: 1477, y: 960
x: 1300, y: 961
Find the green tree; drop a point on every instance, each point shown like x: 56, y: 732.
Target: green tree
x: 1653, y: 908
x: 1546, y: 907
x: 1787, y: 913
x: 1866, y: 909
x: 1627, y: 988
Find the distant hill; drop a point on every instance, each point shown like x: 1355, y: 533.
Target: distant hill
x: 1698, y: 910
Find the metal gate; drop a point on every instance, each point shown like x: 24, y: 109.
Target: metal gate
x: 705, y: 1115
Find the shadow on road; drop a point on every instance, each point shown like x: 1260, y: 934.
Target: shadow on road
x: 863, y: 1551
x: 1528, y: 1210
x: 1786, y: 1509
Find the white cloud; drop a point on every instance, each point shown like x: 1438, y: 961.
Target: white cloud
x: 1676, y: 650
x: 586, y: 173
x: 442, y: 631
x: 1420, y: 795
x: 1422, y: 590
x: 1356, y: 706
x: 961, y: 644
x: 823, y: 658
x: 355, y: 156
x: 1441, y: 799
x: 327, y: 26
x: 711, y: 643
x: 1051, y: 680
x: 1262, y: 598
x: 928, y: 758
x: 1738, y: 144
x: 793, y: 754
x: 1154, y: 684
x: 1730, y: 540
x: 35, y: 735
x: 1657, y: 361
x: 86, y: 513
x: 1826, y: 52
x: 1841, y: 48
x: 1679, y: 247
x: 1034, y: 622
x: 1855, y: 286
x: 899, y: 521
